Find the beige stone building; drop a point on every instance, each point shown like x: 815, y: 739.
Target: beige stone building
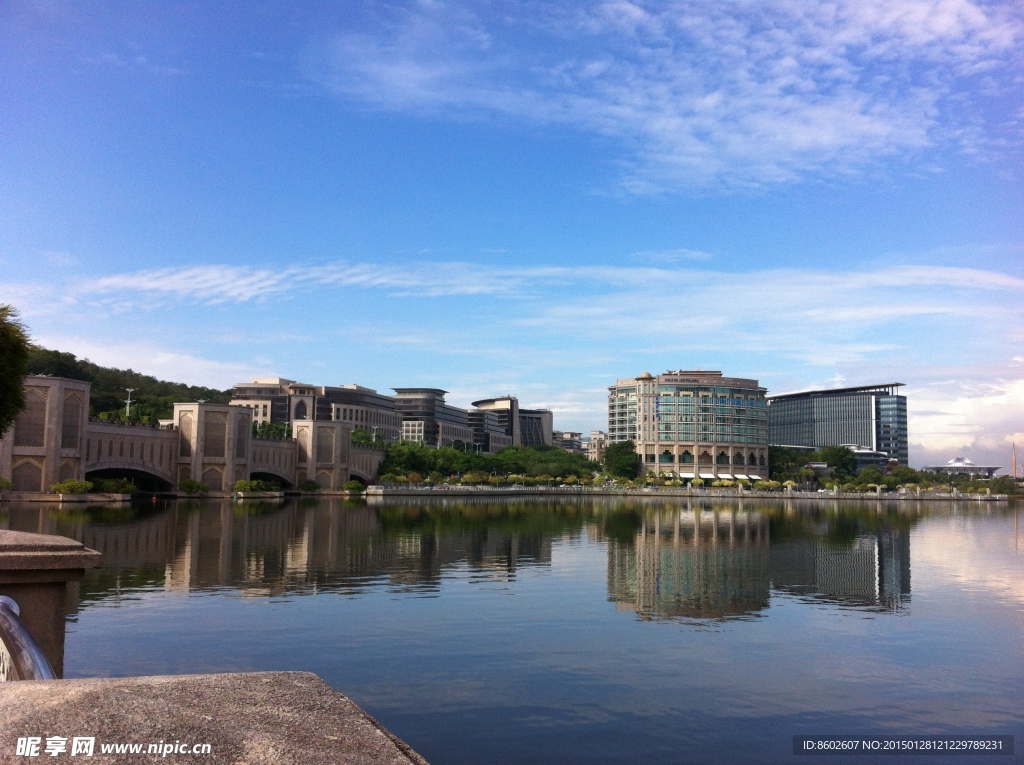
x: 692, y: 424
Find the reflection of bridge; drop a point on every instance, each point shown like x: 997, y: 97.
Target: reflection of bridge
x: 268, y: 549
x: 53, y: 440
x: 700, y: 564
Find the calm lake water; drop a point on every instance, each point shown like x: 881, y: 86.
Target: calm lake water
x: 639, y: 631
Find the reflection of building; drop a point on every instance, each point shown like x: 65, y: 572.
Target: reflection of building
x: 692, y: 564
x: 693, y: 424
x: 963, y: 466
x: 870, y: 416
x: 700, y: 564
x: 874, y: 569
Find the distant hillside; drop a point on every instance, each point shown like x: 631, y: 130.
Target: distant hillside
x: 156, y: 397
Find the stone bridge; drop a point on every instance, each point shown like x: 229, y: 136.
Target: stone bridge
x: 53, y: 440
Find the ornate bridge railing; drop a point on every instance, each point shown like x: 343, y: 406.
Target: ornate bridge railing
x: 20, y: 657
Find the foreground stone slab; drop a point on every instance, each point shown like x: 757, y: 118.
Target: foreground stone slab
x: 255, y: 718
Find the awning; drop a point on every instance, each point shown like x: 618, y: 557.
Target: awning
x: 741, y: 477
x: 727, y: 476
x: 707, y: 475
x: 687, y: 475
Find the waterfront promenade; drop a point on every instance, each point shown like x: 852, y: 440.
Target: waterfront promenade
x: 376, y: 493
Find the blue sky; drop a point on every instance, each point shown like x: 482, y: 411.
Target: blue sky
x: 528, y: 198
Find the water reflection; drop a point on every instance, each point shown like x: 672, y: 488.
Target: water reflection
x: 690, y: 560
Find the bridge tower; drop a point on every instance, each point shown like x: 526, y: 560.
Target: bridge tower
x: 214, y: 442
x: 45, y: 444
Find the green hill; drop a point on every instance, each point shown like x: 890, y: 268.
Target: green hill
x: 156, y: 398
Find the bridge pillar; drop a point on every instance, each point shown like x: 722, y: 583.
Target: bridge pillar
x: 44, y: 445
x: 214, y: 444
x: 322, y: 452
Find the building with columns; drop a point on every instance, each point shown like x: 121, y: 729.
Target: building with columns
x: 692, y: 424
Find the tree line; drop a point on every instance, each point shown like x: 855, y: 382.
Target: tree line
x: 152, y: 399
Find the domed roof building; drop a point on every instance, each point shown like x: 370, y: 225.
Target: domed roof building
x: 963, y: 466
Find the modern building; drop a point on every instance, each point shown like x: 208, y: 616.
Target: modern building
x: 963, y: 466
x: 275, y: 399
x: 692, y: 424
x: 873, y: 417
x: 526, y: 427
x: 536, y: 427
x: 568, y: 440
x: 506, y: 409
x: 428, y: 419
x: 489, y: 435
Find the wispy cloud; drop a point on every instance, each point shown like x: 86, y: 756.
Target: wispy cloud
x: 727, y: 93
x: 788, y: 327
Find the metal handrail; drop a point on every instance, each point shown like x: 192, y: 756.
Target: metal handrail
x: 20, y: 657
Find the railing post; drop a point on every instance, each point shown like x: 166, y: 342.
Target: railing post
x: 35, y: 572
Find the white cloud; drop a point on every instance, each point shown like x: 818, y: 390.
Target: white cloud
x: 970, y: 418
x: 726, y: 93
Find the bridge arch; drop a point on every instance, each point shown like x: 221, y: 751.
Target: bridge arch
x: 266, y: 474
x: 143, y: 479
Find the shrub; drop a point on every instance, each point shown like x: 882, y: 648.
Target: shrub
x: 697, y: 482
x: 353, y: 487
x: 309, y: 485
x: 191, y: 486
x: 71, y: 486
x: 113, y: 486
x: 5, y: 485
x: 253, y: 486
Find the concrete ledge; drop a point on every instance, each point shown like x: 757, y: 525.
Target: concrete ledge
x: 20, y: 551
x: 34, y: 496
x: 256, y: 718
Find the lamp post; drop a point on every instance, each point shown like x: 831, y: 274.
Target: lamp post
x: 128, y: 403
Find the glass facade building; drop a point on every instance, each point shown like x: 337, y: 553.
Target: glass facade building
x: 871, y: 416
x: 692, y: 423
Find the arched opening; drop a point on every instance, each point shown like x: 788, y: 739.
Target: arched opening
x: 271, y: 478
x: 722, y: 459
x: 300, y: 411
x: 143, y: 481
x: 357, y: 477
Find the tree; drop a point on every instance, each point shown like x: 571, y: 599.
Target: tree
x: 841, y: 458
x: 13, y: 366
x: 621, y: 459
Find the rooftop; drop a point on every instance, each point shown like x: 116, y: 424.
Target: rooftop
x: 887, y: 388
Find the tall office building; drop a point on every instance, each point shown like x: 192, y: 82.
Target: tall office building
x: 870, y: 416
x: 427, y: 418
x: 692, y: 423
x: 526, y: 427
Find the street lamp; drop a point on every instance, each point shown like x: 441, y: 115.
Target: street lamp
x: 128, y: 403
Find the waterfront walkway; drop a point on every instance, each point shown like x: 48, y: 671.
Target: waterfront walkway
x: 375, y: 493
